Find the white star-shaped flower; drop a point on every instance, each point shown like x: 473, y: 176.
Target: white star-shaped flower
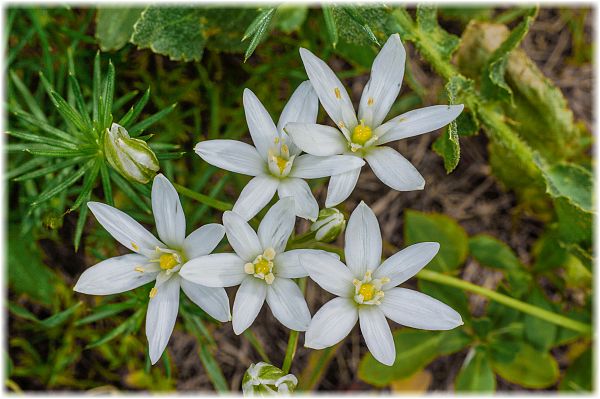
x: 366, y: 290
x: 159, y: 260
x: 261, y: 266
x: 275, y: 160
x: 364, y: 136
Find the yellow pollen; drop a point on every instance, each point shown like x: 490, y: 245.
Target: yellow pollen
x: 338, y: 95
x: 135, y: 246
x: 281, y: 163
x: 370, y: 101
x: 367, y: 291
x: 167, y: 261
x: 153, y: 292
x: 361, y: 134
x: 262, y: 267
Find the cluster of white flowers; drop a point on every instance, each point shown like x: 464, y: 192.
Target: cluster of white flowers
x: 365, y: 286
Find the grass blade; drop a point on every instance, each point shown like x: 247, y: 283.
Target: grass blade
x: 88, y: 183
x: 96, y: 88
x: 25, y: 167
x: 330, y: 24
x: 30, y: 119
x: 35, y: 138
x: 135, y: 111
x: 63, y: 185
x: 49, y: 169
x: 141, y: 126
x: 106, y: 186
x: 107, y: 95
x: 81, y: 222
x: 120, y: 102
x: 27, y: 97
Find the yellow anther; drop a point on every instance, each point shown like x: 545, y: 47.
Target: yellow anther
x: 276, y: 140
x: 370, y: 101
x: 263, y: 266
x: 338, y: 95
x: 356, y: 282
x: 139, y: 269
x: 153, y: 292
x: 361, y: 134
x: 269, y: 254
x: 385, y: 280
x: 168, y: 261
x: 285, y: 150
x: 249, y: 268
x: 135, y: 246
x: 367, y: 291
x: 341, y: 124
x: 281, y: 163
x: 269, y: 278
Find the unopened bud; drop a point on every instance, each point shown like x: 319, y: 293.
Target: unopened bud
x: 329, y: 224
x: 131, y: 157
x: 264, y: 379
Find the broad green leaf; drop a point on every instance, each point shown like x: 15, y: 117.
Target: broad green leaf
x: 493, y: 85
x: 541, y: 334
x: 358, y: 25
x: 579, y: 377
x: 421, y: 227
x: 441, y: 42
x: 548, y: 252
x: 26, y: 272
x: 114, y: 26
x: 528, y: 367
x: 415, y: 349
x: 289, y: 18
x: 330, y: 24
x: 476, y: 374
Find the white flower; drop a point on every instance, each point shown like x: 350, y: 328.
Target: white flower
x: 261, y: 268
x: 365, y: 289
x: 363, y: 136
x: 159, y: 260
x: 275, y: 161
x: 264, y: 379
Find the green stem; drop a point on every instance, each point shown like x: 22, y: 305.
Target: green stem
x: 204, y: 199
x: 506, y: 300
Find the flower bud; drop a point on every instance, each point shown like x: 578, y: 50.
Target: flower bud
x: 329, y: 224
x: 263, y: 379
x: 131, y: 157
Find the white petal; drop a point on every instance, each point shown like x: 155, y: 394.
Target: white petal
x: 377, y: 334
x: 213, y: 301
x: 161, y: 317
x: 330, y: 90
x: 288, y: 264
x: 363, y: 241
x: 168, y: 213
x: 317, y: 139
x: 341, y: 186
x: 331, y: 324
x: 257, y: 193
x: 304, y: 201
x: 248, y: 301
x: 214, y: 270
x: 394, y: 170
x: 287, y: 304
x: 277, y: 225
x: 308, y: 166
x: 414, y: 309
x: 241, y: 236
x: 303, y: 106
x: 418, y: 121
x: 114, y: 275
x: 261, y: 126
x: 203, y: 241
x: 331, y: 274
x: 232, y: 155
x: 124, y: 229
x: 406, y: 263
x: 384, y: 84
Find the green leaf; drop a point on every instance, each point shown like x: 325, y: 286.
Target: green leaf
x: 60, y: 318
x: 50, y: 169
x: 358, y: 25
x: 135, y: 111
x: 330, y: 24
x: 451, y: 296
x: 421, y: 227
x: 476, y: 374
x: 27, y: 274
x: 257, y: 30
x: 528, y: 367
x: 61, y: 185
x: 440, y: 41
x: 149, y: 121
x: 289, y: 18
x: 578, y: 377
x: 96, y: 82
x: 127, y: 326
x: 114, y: 26
x: 108, y: 310
x: 415, y: 349
x: 107, y: 97
x: 541, y: 334
x: 356, y: 14
x: 27, y: 96
x: 493, y: 85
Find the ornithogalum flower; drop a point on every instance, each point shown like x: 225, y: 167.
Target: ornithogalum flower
x: 363, y: 136
x: 366, y: 290
x: 275, y: 161
x: 159, y: 260
x: 261, y: 266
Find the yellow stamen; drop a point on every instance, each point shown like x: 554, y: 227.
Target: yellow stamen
x: 167, y: 261
x: 153, y: 292
x: 135, y: 246
x: 338, y: 95
x: 139, y: 269
x: 367, y: 291
x: 361, y: 134
x: 370, y: 101
x: 249, y: 268
x: 269, y: 278
x: 269, y: 254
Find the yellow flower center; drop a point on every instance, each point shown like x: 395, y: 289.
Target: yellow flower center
x: 281, y: 163
x: 262, y: 267
x: 361, y: 134
x: 367, y: 291
x: 168, y: 261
